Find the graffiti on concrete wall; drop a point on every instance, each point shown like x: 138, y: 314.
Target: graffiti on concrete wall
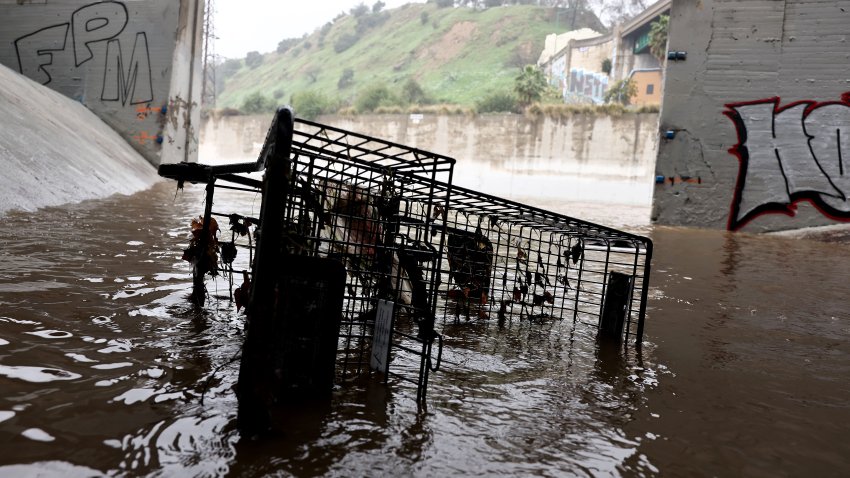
x: 127, y: 79
x: 558, y: 74
x: 791, y: 153
x: 588, y: 84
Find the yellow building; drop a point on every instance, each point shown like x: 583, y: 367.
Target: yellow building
x: 649, y: 83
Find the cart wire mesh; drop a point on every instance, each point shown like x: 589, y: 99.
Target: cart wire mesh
x: 440, y: 253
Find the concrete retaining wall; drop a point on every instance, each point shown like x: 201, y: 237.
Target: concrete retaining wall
x: 54, y: 151
x: 759, y: 111
x: 582, y: 158
x: 135, y: 63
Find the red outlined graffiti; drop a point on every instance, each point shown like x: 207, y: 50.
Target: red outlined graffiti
x: 789, y: 154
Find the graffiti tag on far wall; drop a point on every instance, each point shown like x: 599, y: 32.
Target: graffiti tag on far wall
x: 787, y: 154
x: 124, y: 81
x: 588, y: 84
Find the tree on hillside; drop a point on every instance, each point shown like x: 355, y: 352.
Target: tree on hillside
x: 284, y: 45
x: 529, y: 85
x: 378, y: 6
x: 412, y: 93
x: 229, y: 67
x: 658, y: 37
x: 253, y: 59
x: 359, y: 10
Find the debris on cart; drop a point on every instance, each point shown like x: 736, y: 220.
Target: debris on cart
x: 364, y: 249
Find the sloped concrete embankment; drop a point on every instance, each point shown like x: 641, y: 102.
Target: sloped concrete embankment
x: 54, y: 151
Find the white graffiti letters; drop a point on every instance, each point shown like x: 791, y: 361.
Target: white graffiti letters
x: 788, y: 154
x: 38, y: 47
x: 130, y: 86
x: 94, y: 23
x: 91, y: 24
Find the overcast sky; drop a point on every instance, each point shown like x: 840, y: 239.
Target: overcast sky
x: 246, y: 25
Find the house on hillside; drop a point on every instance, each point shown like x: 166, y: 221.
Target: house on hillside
x: 583, y: 63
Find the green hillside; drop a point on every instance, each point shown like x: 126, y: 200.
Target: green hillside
x: 456, y: 55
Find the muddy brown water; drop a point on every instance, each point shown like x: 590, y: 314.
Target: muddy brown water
x: 103, y: 367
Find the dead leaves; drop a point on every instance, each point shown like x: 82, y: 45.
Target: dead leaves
x: 203, y: 247
x: 240, y: 225
x: 243, y: 293
x: 546, y: 297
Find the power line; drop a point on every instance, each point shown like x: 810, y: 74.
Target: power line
x: 208, y: 90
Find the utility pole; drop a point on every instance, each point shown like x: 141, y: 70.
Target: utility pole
x: 208, y: 89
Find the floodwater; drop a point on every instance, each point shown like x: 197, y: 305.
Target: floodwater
x: 105, y: 369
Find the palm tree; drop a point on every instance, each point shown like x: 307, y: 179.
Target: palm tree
x: 658, y: 37
x: 529, y: 85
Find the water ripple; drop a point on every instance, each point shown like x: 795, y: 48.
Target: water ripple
x: 37, y: 374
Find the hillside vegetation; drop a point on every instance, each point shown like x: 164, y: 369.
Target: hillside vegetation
x: 417, y: 54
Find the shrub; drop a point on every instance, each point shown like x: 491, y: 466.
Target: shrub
x: 346, y: 79
x: 412, y: 93
x: 367, y: 22
x: 372, y: 97
x: 312, y: 73
x: 229, y: 112
x: 648, y: 109
x: 621, y: 92
x: 345, y: 41
x: 257, y: 102
x: 442, y: 109
x: 497, y: 103
x: 389, y: 110
x: 310, y: 104
x: 607, y: 66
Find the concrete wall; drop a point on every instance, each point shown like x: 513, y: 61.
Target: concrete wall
x: 134, y: 63
x: 54, y: 151
x: 583, y: 158
x: 589, y: 54
x: 759, y: 109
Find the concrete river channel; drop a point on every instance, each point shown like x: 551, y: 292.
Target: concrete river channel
x: 106, y: 369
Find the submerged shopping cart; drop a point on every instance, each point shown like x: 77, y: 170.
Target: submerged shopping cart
x: 363, y: 248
